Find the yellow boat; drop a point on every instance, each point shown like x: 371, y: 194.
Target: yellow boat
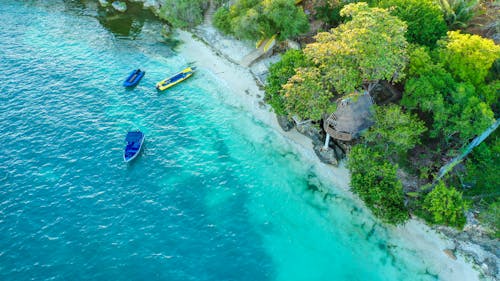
x: 175, y: 79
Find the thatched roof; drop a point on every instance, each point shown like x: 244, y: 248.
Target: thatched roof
x: 353, y: 115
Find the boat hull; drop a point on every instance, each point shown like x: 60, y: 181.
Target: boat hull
x: 175, y: 79
x: 135, y: 141
x: 134, y: 78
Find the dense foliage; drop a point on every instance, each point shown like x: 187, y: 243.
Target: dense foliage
x: 468, y: 57
x: 424, y: 18
x: 374, y: 179
x: 307, y: 96
x: 279, y: 73
x: 446, y: 206
x: 256, y: 19
x: 358, y: 52
x: 483, y: 169
x: 394, y: 131
x: 183, y: 13
x: 455, y: 107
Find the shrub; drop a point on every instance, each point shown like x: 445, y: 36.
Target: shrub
x: 374, y: 179
x: 424, y: 18
x: 183, y: 13
x: 445, y: 206
x: 279, y: 73
x: 222, y: 21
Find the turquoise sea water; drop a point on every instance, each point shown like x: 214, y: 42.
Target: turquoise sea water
x: 215, y: 195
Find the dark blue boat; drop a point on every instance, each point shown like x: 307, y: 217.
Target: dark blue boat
x: 134, y: 143
x: 134, y: 78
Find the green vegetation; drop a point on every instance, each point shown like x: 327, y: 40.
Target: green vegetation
x: 374, y: 179
x: 183, y: 13
x: 353, y: 56
x: 256, y: 19
x: 279, y: 73
x: 455, y: 107
x: 395, y: 132
x: 491, y: 219
x: 446, y: 206
x: 458, y: 13
x: 358, y: 52
x: 468, y: 57
x: 424, y: 18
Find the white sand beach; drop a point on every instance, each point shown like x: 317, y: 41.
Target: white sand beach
x: 245, y: 94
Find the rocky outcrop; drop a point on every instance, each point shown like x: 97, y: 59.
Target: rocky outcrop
x: 311, y: 130
x: 474, y: 243
x: 326, y: 155
x: 285, y: 123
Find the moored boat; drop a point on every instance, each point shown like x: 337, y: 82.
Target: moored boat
x: 175, y: 79
x: 134, y: 78
x: 134, y: 144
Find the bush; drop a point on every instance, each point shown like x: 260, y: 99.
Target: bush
x: 482, y: 167
x: 279, y: 73
x: 183, y: 13
x: 424, y: 18
x: 222, y: 21
x: 374, y: 179
x: 255, y: 19
x: 395, y: 131
x: 445, y: 206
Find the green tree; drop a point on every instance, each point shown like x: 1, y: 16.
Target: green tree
x: 424, y: 18
x: 306, y: 95
x: 279, y: 73
x: 256, y: 19
x: 361, y: 52
x: 468, y: 57
x: 284, y: 18
x: 482, y: 168
x: 394, y: 131
x: 456, y: 108
x: 374, y: 179
x: 446, y: 206
x: 222, y: 20
x: 183, y: 13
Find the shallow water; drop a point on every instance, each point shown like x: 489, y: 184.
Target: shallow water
x: 215, y: 195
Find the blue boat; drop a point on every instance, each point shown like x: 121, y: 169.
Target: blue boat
x: 134, y: 143
x: 134, y: 78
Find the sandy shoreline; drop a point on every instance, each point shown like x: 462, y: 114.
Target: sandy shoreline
x: 248, y: 96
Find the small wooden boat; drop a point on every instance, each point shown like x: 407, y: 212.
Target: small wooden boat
x: 134, y: 78
x: 134, y: 143
x: 177, y: 78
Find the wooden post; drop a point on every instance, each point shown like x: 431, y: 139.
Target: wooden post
x: 327, y: 141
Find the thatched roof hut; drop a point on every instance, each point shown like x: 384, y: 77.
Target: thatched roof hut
x: 353, y: 115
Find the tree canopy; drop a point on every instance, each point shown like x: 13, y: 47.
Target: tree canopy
x: 368, y: 48
x: 256, y: 19
x: 446, y: 206
x: 394, y: 131
x: 279, y: 73
x: 468, y: 57
x: 374, y: 179
x: 456, y: 107
x: 183, y: 13
x: 424, y: 18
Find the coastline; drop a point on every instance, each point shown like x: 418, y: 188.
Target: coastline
x: 247, y: 95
